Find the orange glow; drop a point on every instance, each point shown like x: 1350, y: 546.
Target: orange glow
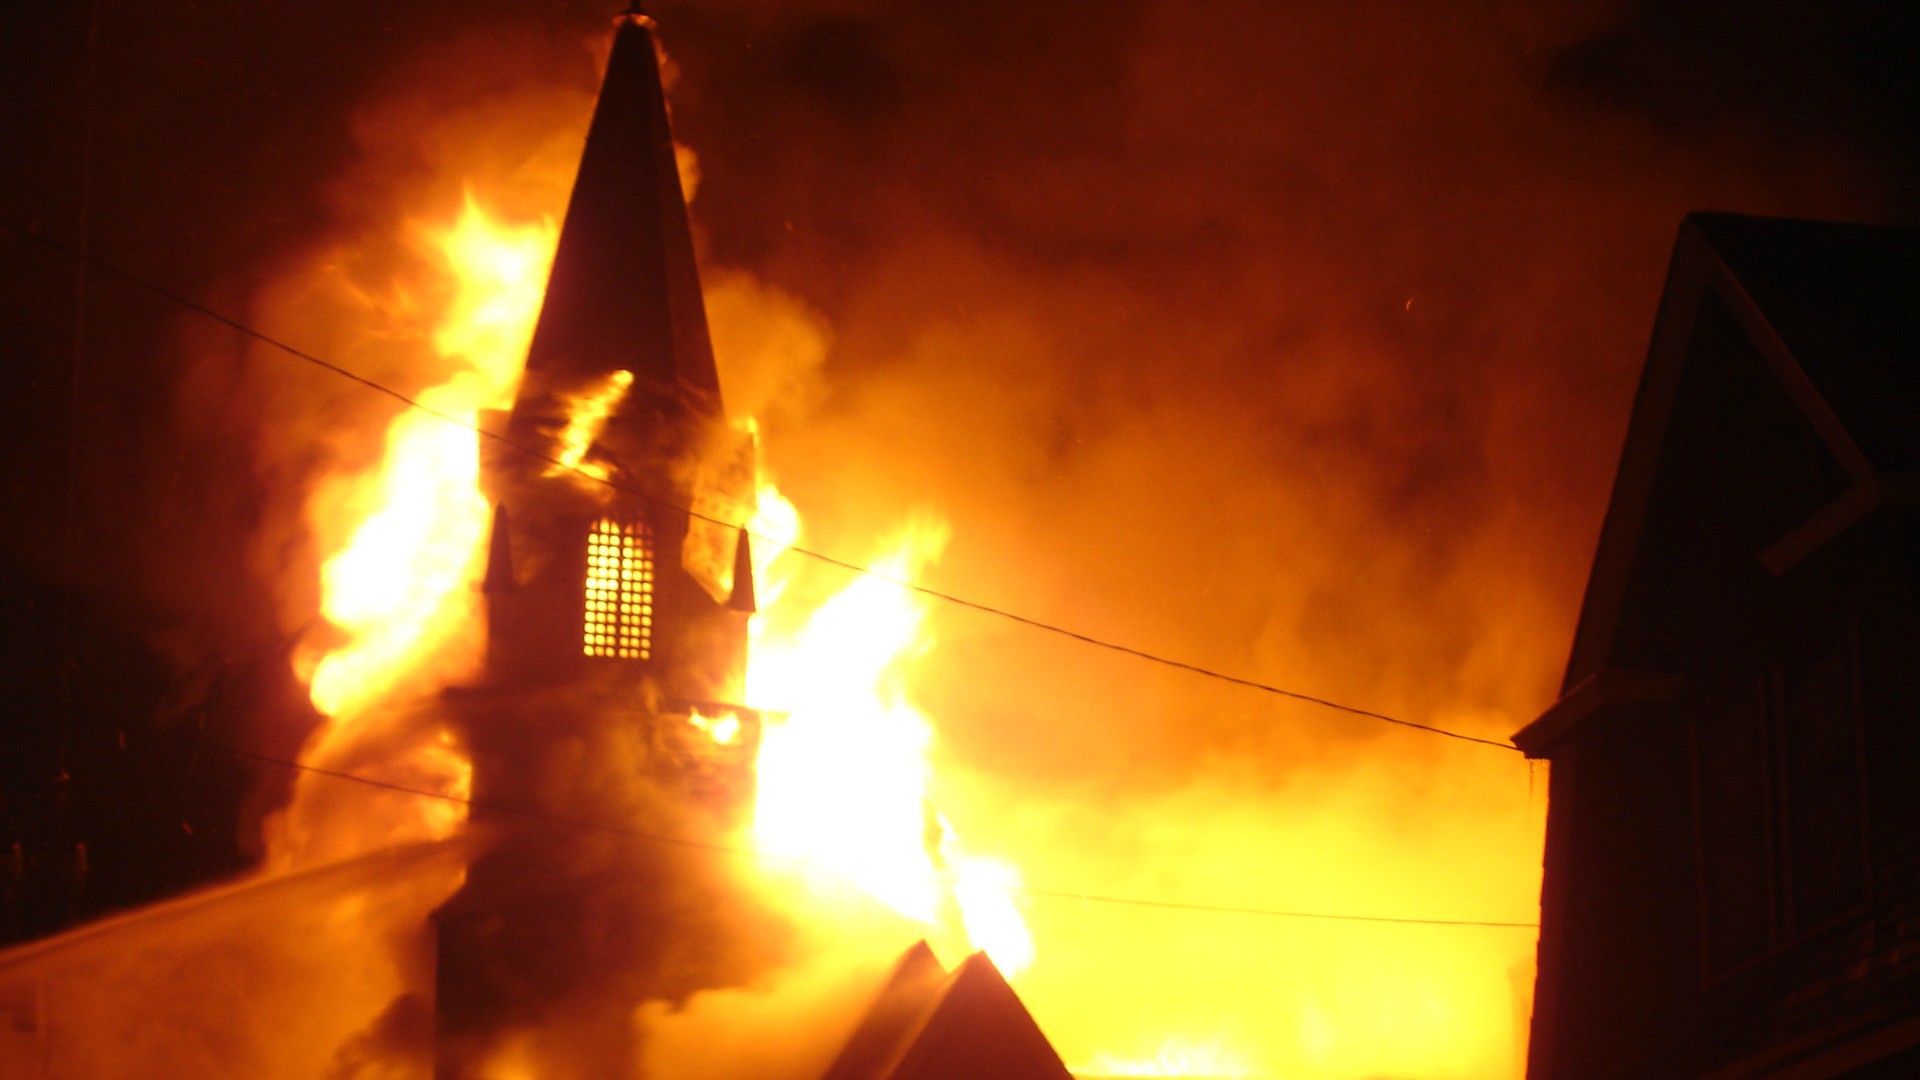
x: 586, y: 417
x: 722, y: 729
x: 398, y: 595
x: 619, y: 617
x: 398, y: 586
x: 848, y: 761
x: 843, y: 778
x: 1357, y: 999
x: 1177, y: 1057
x: 775, y: 527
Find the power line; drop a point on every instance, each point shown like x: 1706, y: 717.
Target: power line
x: 768, y: 856
x: 857, y: 568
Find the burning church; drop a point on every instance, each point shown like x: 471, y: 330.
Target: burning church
x: 616, y: 614
x: 613, y: 755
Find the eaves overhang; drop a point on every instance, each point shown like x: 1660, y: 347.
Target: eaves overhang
x: 1564, y: 719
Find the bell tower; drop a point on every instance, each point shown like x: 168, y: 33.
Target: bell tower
x: 615, y: 471
x: 617, y: 598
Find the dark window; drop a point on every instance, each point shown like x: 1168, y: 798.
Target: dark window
x: 1734, y: 810
x: 1779, y: 804
x: 1820, y: 741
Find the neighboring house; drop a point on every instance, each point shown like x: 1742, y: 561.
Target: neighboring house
x: 1732, y: 882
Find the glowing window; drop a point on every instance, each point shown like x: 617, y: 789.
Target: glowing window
x: 618, y: 619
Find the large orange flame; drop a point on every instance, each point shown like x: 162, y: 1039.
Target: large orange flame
x: 843, y: 778
x: 399, y: 587
x: 586, y: 418
x: 398, y: 596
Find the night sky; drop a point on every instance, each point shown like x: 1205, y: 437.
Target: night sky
x: 1293, y: 340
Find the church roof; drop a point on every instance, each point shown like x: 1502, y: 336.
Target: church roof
x: 931, y: 1024
x: 285, y: 971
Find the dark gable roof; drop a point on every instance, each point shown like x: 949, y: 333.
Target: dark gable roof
x: 1834, y: 313
x: 929, y: 1024
x: 1845, y: 300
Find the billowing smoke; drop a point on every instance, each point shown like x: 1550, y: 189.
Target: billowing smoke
x: 1294, y: 342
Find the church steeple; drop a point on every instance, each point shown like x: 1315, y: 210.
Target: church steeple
x: 624, y: 294
x: 621, y: 341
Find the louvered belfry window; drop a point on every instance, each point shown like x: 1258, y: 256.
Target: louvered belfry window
x: 618, y: 620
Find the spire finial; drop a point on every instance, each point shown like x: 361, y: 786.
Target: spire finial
x: 636, y: 13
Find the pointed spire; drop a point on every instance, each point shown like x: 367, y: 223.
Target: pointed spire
x: 499, y: 577
x: 742, y: 599
x: 625, y: 293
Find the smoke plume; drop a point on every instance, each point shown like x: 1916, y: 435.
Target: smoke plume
x: 1290, y: 341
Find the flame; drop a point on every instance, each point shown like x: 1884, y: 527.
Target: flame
x: 390, y: 589
x: 397, y: 590
x: 723, y: 729
x: 397, y: 596
x: 775, y: 526
x: 843, y: 778
x: 586, y: 417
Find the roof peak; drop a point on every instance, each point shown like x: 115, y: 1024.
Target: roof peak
x: 624, y: 293
x: 636, y: 14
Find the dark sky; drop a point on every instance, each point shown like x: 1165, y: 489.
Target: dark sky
x: 1293, y: 339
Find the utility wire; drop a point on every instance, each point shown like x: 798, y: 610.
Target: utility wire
x: 857, y: 568
x: 768, y: 856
